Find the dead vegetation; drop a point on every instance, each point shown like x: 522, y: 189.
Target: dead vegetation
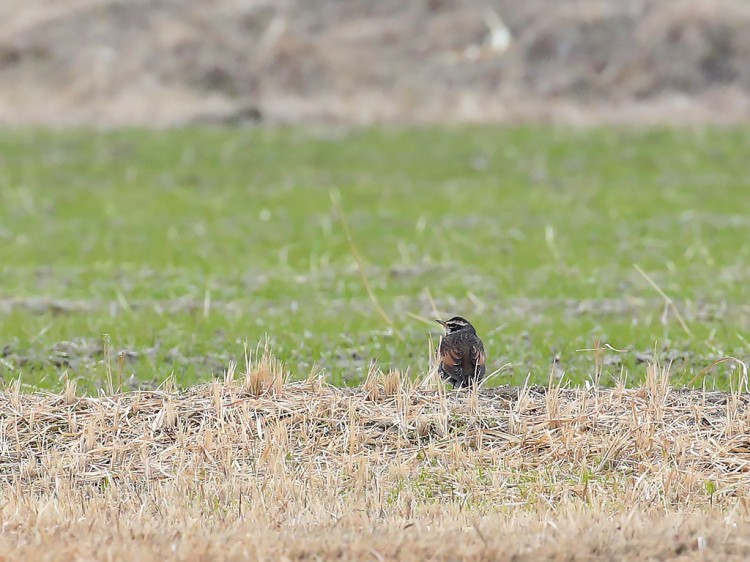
x: 108, y: 62
x: 256, y: 467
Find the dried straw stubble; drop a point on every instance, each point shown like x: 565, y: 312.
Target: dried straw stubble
x: 257, y: 468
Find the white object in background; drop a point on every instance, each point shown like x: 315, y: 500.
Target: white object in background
x: 499, y: 37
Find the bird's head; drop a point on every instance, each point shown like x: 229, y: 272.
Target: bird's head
x: 456, y: 324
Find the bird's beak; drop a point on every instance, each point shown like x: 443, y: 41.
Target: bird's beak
x: 440, y: 322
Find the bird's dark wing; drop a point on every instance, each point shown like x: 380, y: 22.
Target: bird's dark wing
x: 451, y: 356
x: 478, y: 357
x: 477, y: 354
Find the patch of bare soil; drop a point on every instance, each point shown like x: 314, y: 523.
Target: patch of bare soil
x: 167, y: 62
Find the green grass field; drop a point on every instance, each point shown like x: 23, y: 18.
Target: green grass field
x: 182, y: 244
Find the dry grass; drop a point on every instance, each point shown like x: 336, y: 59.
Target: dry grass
x: 581, y: 62
x: 261, y: 468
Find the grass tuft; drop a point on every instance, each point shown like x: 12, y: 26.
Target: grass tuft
x: 265, y: 374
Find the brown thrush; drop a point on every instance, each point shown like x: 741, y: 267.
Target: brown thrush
x: 461, y: 353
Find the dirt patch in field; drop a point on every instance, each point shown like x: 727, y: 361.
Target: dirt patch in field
x: 108, y: 62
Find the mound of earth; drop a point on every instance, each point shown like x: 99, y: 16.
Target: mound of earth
x: 167, y: 62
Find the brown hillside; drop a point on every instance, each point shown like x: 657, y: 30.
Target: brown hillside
x: 113, y: 62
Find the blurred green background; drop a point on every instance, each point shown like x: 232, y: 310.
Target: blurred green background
x: 182, y: 244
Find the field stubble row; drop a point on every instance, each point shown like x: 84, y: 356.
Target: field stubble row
x: 258, y: 467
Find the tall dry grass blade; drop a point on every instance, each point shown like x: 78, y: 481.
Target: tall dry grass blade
x: 494, y: 374
x: 335, y: 200
x: 69, y: 391
x: 657, y: 384
x: 473, y: 400
x: 107, y: 350
x: 229, y: 372
x: 316, y: 378
x: 667, y: 300
x: 742, y: 382
x: 433, y: 306
x: 431, y: 378
x: 372, y: 384
x: 169, y: 384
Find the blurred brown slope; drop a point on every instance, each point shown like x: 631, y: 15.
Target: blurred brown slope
x: 164, y: 62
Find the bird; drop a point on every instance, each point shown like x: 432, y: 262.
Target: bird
x: 461, y: 353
